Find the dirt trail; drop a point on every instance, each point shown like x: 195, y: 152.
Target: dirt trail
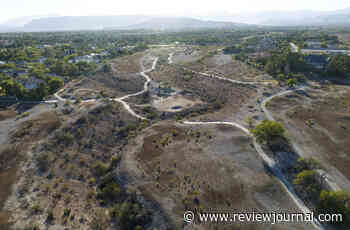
x: 272, y: 165
x: 145, y: 88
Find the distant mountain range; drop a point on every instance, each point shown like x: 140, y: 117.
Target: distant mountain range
x: 22, y: 21
x: 286, y: 18
x: 217, y: 20
x: 126, y: 22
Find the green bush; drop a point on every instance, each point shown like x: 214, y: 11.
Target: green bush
x: 131, y: 215
x: 336, y: 203
x: 309, y: 183
x: 110, y: 191
x: 65, y: 138
x: 100, y: 169
x: 307, y: 164
x: 43, y: 161
x: 268, y: 130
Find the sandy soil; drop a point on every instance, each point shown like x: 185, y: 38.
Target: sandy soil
x: 183, y: 167
x: 174, y: 103
x: 319, y: 123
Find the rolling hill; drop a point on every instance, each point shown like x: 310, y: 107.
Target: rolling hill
x: 126, y: 22
x: 285, y: 18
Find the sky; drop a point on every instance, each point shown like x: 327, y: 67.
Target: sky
x: 10, y: 9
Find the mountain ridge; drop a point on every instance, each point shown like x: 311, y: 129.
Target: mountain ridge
x: 124, y: 22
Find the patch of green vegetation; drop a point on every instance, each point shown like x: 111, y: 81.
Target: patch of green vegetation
x: 100, y: 169
x: 266, y: 131
x: 131, y: 215
x: 336, y: 203
x: 64, y: 137
x: 23, y: 115
x: 308, y: 180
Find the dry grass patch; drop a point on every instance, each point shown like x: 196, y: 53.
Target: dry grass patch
x: 6, y: 114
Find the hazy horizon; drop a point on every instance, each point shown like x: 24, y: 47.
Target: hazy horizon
x: 156, y: 7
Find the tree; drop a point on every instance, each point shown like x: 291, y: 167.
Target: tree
x: 107, y: 68
x: 54, y: 84
x: 292, y: 82
x: 278, y: 63
x: 324, y: 44
x: 268, y: 130
x: 38, y: 93
x: 339, y: 65
x: 308, y: 183
x: 12, y: 88
x: 336, y: 203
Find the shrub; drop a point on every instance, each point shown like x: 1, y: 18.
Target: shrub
x: 110, y: 191
x: 32, y: 227
x: 115, y: 161
x: 23, y: 115
x: 65, y: 138
x: 43, y: 161
x: 131, y: 215
x: 336, y: 203
x: 66, y: 212
x: 100, y: 169
x: 92, y: 180
x: 50, y: 216
x: 307, y: 164
x: 308, y: 182
x: 292, y: 82
x: 36, y: 208
x: 268, y: 130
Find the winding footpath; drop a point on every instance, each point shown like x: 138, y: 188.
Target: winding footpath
x: 327, y: 178
x: 120, y: 99
x: 145, y: 88
x: 170, y: 61
x: 266, y: 159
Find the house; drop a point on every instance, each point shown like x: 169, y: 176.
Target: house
x: 86, y: 58
x: 314, y: 44
x: 317, y: 61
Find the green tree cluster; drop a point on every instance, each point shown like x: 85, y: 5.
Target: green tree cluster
x: 285, y: 63
x: 336, y: 203
x: 266, y: 131
x: 339, y: 65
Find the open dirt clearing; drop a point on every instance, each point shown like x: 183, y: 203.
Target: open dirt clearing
x: 127, y: 64
x: 183, y: 167
x: 174, y: 103
x: 231, y: 97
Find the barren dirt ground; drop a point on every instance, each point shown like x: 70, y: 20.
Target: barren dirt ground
x: 319, y: 122
x: 183, y: 168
